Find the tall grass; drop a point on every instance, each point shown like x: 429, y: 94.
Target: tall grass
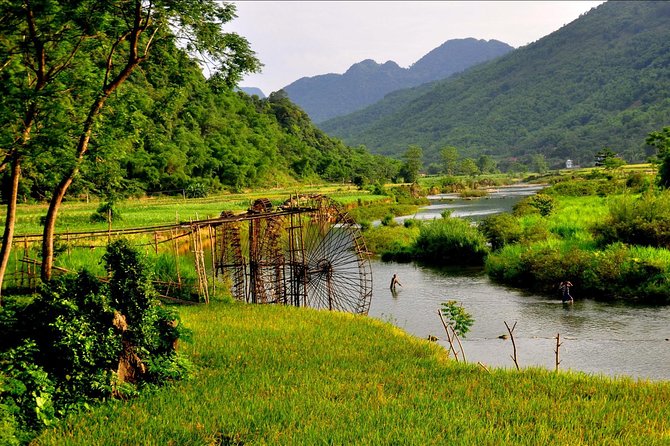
x: 281, y: 375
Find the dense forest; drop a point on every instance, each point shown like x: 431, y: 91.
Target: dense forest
x: 170, y: 130
x: 600, y: 81
x: 364, y: 83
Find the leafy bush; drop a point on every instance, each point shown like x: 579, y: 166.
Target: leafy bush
x: 619, y: 271
x: 543, y: 203
x: 501, y: 229
x: 412, y: 223
x: 456, y: 316
x: 106, y: 213
x: 389, y: 220
x: 450, y: 241
x: 638, y: 221
x: 83, y: 340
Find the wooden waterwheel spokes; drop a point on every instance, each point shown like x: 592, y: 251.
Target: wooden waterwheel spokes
x: 338, y: 272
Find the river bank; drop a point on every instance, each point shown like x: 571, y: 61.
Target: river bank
x: 612, y: 338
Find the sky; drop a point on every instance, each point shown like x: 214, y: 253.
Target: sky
x: 294, y: 39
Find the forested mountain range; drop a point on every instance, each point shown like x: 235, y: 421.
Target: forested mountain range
x: 364, y: 83
x: 601, y: 81
x: 170, y: 130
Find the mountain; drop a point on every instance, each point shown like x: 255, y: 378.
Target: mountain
x: 253, y: 91
x: 601, y: 81
x: 364, y: 83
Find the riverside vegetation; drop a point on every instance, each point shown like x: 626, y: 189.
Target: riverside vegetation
x: 607, y: 233
x: 282, y: 375
x: 261, y: 374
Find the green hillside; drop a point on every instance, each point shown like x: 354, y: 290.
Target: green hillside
x: 600, y: 81
x: 170, y: 130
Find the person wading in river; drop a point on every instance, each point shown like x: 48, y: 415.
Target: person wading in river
x: 394, y: 282
x: 565, y: 289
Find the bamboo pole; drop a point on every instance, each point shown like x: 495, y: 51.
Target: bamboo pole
x: 212, y: 246
x: 449, y: 339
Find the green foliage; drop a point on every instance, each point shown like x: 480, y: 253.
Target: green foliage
x: 644, y: 220
x: 450, y: 241
x: 106, y: 213
x: 457, y: 317
x: 500, y: 230
x: 543, y: 203
x: 62, y: 351
x: 171, y: 130
x: 26, y: 392
x: 618, y: 271
x: 660, y: 141
x: 313, y: 377
x: 413, y: 164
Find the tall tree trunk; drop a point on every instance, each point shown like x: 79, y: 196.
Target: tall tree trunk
x: 134, y: 59
x: 8, y: 236
x: 61, y: 189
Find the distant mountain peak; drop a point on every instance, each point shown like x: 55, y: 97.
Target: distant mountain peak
x: 602, y: 80
x: 366, y: 82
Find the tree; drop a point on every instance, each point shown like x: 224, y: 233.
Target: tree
x: 413, y: 163
x: 468, y: 167
x: 449, y: 156
x: 603, y: 155
x: 120, y: 36
x: 539, y: 163
x: 38, y: 45
x: 660, y: 140
x: 486, y: 164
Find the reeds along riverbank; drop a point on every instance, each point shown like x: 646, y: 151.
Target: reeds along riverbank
x: 283, y: 375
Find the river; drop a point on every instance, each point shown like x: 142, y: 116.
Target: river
x: 613, y: 339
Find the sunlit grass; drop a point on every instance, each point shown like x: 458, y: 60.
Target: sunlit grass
x: 75, y: 216
x: 281, y: 375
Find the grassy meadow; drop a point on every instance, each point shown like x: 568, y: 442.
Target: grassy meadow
x: 283, y: 375
x: 75, y: 215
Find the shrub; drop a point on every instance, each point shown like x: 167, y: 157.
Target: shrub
x: 501, y: 229
x: 84, y: 340
x: 106, y: 213
x: 450, y: 241
x: 389, y: 220
x: 638, y: 221
x: 543, y: 203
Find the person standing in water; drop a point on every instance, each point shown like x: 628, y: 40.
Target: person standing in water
x: 565, y: 289
x: 394, y: 282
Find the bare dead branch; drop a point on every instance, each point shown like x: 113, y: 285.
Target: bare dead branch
x: 484, y: 367
x: 449, y: 339
x: 460, y: 346
x: 511, y: 335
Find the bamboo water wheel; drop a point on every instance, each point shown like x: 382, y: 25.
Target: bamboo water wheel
x: 306, y: 252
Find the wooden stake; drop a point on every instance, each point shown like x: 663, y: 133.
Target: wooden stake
x: 460, y: 346
x: 558, y: 345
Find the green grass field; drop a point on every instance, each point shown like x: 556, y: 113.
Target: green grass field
x: 75, y: 215
x: 281, y: 375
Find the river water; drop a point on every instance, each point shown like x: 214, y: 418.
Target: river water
x: 613, y: 339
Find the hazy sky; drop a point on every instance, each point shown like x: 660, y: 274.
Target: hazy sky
x: 294, y: 39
